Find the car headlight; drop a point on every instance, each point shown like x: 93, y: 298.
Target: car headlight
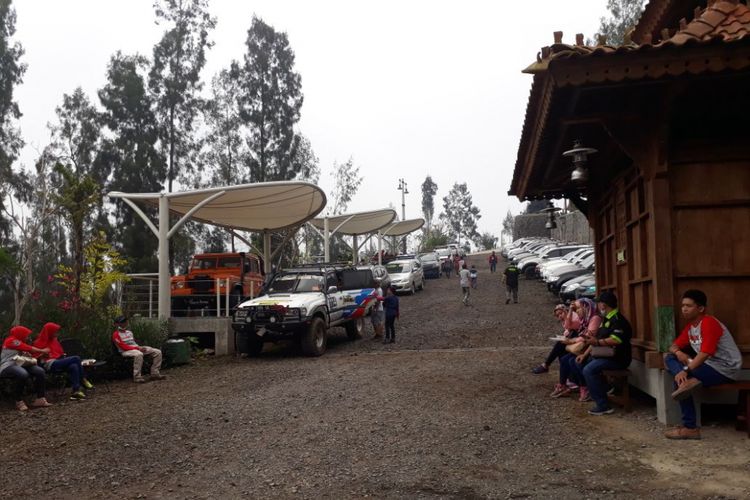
x: 553, y: 278
x: 292, y: 312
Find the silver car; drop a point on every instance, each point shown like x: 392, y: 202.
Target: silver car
x: 406, y: 275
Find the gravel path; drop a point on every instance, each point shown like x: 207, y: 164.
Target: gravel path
x: 449, y: 411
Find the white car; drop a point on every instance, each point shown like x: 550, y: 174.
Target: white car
x: 406, y: 275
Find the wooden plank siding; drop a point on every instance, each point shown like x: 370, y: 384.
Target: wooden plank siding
x: 711, y: 204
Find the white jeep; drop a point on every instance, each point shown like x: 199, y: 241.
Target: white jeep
x: 303, y: 303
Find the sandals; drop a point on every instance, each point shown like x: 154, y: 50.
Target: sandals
x: 41, y: 403
x: 21, y: 406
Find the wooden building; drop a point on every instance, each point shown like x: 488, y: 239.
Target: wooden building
x: 668, y: 192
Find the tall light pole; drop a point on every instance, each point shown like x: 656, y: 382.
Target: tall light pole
x: 404, y: 192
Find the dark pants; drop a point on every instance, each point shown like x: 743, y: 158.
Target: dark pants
x: 22, y: 374
x: 708, y: 377
x: 71, y: 364
x: 566, y: 366
x: 390, y: 327
x: 595, y: 380
x: 558, y: 351
x: 493, y: 266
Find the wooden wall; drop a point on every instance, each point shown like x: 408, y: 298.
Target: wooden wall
x: 711, y: 235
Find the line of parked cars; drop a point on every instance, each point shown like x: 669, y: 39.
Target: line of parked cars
x: 566, y: 268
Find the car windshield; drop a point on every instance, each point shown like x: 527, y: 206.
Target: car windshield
x: 229, y: 262
x: 203, y: 263
x: 397, y: 268
x: 294, y: 282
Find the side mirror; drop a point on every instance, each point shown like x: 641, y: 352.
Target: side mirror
x: 333, y: 289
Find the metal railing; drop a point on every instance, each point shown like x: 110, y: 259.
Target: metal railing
x: 140, y: 296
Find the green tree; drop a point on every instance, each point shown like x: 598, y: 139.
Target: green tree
x: 347, y: 180
x: 77, y: 136
x: 509, y: 223
x: 459, y: 212
x: 487, y: 241
x: 130, y: 150
x: 271, y: 99
x: 175, y: 81
x: 429, y: 189
x: 623, y: 16
x: 11, y: 74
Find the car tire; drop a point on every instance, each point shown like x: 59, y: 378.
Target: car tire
x: 314, y: 340
x: 354, y: 329
x: 254, y: 344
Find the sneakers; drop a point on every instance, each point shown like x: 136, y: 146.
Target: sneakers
x: 77, y: 396
x: 559, y: 391
x: 683, y: 433
x: 139, y: 379
x: 686, y: 389
x: 537, y: 370
x: 598, y: 412
x: 88, y: 385
x: 584, y: 396
x: 157, y: 376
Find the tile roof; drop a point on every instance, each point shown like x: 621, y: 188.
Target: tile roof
x: 720, y: 21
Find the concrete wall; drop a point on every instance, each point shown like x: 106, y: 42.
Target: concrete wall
x: 526, y: 225
x: 573, y: 227
x: 220, y: 327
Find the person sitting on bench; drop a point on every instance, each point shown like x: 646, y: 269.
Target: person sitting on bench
x: 16, y: 363
x: 126, y: 344
x: 718, y: 360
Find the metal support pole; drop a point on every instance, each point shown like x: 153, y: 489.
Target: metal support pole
x: 150, y: 298
x: 164, y: 288
x: 218, y: 297
x: 326, y: 239
x: 355, y: 250
x: 380, y: 247
x: 226, y: 304
x: 267, y: 251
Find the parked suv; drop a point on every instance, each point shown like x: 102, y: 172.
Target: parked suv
x: 304, y: 303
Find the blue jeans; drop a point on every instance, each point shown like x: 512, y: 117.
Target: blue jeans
x: 71, y: 364
x: 595, y: 380
x: 708, y: 377
x: 566, y: 366
x: 22, y: 374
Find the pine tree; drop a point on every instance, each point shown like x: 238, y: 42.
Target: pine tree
x: 429, y: 189
x: 459, y: 212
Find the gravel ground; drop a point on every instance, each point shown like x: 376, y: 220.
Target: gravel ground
x: 449, y: 411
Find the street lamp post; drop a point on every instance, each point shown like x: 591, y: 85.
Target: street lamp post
x: 404, y: 192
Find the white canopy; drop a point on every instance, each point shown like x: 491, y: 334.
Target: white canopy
x: 265, y: 207
x: 356, y: 223
x: 249, y: 207
x: 402, y: 227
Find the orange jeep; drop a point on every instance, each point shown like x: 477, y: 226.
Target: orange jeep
x: 195, y: 293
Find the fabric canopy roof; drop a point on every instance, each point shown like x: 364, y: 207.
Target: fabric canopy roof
x: 403, y: 227
x: 250, y: 207
x: 357, y: 223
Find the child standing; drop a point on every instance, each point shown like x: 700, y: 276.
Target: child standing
x: 465, y: 283
x: 473, y: 277
x: 390, y: 303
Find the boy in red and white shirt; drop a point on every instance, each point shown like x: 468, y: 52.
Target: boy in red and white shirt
x: 717, y: 360
x: 129, y: 348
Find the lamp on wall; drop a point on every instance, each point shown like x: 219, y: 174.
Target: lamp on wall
x: 550, y: 210
x: 579, y: 153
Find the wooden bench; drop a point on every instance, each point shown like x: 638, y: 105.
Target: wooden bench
x: 743, y: 402
x: 619, y: 380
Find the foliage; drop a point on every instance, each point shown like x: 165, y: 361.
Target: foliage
x: 102, y: 271
x: 131, y: 153
x: 174, y: 78
x: 270, y: 100
x: 623, y: 15
x: 11, y: 74
x: 459, y: 212
x: 347, y: 179
x: 487, y: 241
x: 435, y: 237
x: 429, y: 189
x: 508, y: 223
x: 76, y: 198
x: 536, y: 206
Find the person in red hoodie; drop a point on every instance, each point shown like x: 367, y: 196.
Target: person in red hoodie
x: 129, y: 348
x: 14, y: 346
x: 56, y: 361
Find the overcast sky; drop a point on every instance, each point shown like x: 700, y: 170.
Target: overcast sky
x: 406, y: 88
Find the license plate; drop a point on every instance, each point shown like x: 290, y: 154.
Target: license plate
x: 240, y: 314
